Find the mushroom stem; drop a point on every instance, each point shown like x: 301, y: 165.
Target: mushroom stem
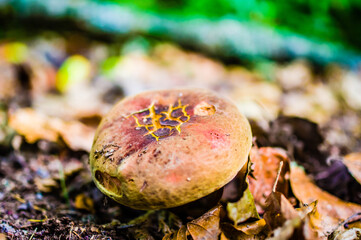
x: 197, y: 208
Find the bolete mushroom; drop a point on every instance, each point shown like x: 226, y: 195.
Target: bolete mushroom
x: 163, y: 149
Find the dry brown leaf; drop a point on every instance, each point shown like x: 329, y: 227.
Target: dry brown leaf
x: 252, y: 228
x: 353, y: 164
x: 35, y: 126
x: 287, y: 230
x: 181, y: 234
x: 167, y: 237
x: 265, y: 164
x: 278, y: 210
x: 330, y: 209
x: 223, y: 237
x: 230, y: 232
x: 206, y: 226
x: 32, y: 126
x: 288, y: 222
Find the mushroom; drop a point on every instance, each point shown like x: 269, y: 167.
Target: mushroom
x: 163, y: 149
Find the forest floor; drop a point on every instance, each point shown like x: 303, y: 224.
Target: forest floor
x: 305, y: 165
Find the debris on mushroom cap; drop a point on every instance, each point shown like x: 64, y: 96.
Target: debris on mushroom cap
x: 163, y: 149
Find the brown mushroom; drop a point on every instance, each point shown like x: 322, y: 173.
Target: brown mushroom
x: 162, y: 149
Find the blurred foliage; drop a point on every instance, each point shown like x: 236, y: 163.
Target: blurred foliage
x: 253, y: 30
x: 329, y: 20
x: 74, y: 70
x: 15, y: 52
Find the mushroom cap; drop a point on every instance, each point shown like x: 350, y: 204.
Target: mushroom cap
x: 166, y: 148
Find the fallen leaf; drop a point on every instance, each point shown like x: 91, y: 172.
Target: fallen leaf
x: 288, y: 222
x: 206, y: 226
x: 252, y: 228
x: 278, y: 210
x: 287, y: 230
x: 181, y: 234
x: 312, y: 223
x: 223, y: 237
x: 243, y: 209
x: 35, y: 126
x: 230, y: 232
x: 265, y: 164
x: 331, y: 209
x: 353, y: 164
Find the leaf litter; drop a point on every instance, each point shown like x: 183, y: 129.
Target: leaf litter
x: 307, y: 121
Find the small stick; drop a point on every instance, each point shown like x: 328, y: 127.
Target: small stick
x: 278, y: 176
x: 77, y: 234
x: 32, y: 235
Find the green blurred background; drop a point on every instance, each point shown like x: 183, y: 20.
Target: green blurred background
x: 323, y: 31
x: 327, y: 20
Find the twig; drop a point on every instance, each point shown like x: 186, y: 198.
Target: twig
x: 77, y: 234
x: 349, y: 219
x: 32, y: 235
x: 278, y: 175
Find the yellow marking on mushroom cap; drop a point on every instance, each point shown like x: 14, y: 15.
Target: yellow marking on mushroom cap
x: 156, y: 123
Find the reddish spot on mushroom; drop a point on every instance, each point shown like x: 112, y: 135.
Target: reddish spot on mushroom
x: 218, y: 139
x: 173, y: 177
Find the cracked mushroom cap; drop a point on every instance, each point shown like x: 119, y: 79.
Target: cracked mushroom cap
x: 162, y: 149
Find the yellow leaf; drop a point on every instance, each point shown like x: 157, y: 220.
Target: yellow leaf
x: 243, y: 209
